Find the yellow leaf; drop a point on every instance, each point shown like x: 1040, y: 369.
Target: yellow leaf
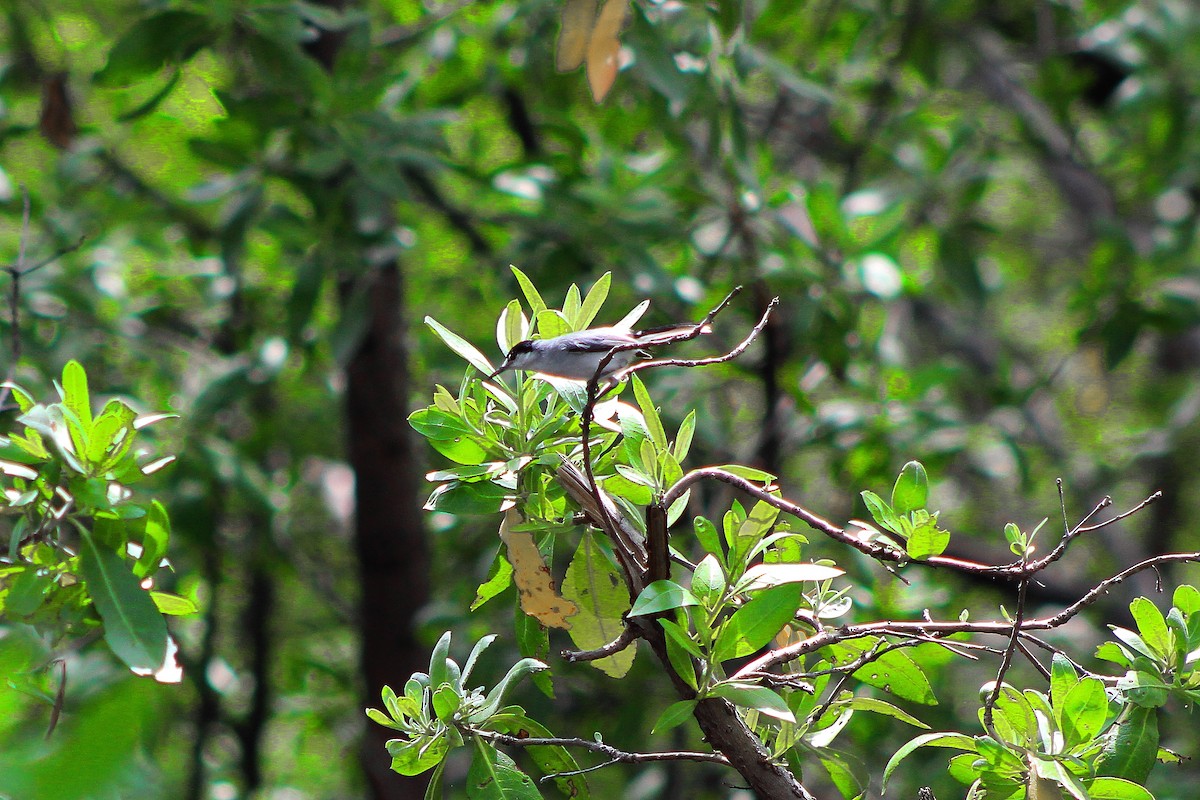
x: 578, y: 17
x: 535, y: 586
x: 604, y: 48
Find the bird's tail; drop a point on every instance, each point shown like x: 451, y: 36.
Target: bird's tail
x: 667, y: 332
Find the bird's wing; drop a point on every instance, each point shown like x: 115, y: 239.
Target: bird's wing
x: 596, y: 341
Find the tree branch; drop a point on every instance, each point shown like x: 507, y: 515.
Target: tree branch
x: 615, y: 755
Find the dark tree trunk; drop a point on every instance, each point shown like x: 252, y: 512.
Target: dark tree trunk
x: 393, y: 556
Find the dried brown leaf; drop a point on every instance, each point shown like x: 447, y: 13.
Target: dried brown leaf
x: 578, y: 17
x: 604, y: 48
x: 535, y: 586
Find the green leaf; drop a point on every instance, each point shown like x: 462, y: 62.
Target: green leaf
x: 631, y: 319
x: 882, y: 513
x: 551, y: 323
x: 662, y: 596
x: 912, y: 488
x: 26, y: 592
x: 480, y: 497
x: 758, y: 621
x: 154, y: 543
x: 495, y: 697
x: 894, y: 671
x: 498, y: 579
x: 1111, y: 651
x: 708, y: 536
x: 23, y: 398
x: 151, y: 43
x: 494, y: 776
x: 708, y: 580
x: 594, y: 301
x: 680, y: 652
x: 877, y: 706
x: 851, y: 782
x: 1152, y: 626
x: 536, y: 304
x: 1131, y: 745
x: 461, y: 346
x: 446, y: 702
x: 956, y: 741
x: 927, y: 540
x: 1186, y: 599
x: 173, y: 604
x: 133, y: 627
x: 639, y: 492
x: 551, y: 760
x: 749, y: 473
x: 1117, y: 789
x: 435, y: 790
x: 1084, y: 711
x: 112, y: 434
x: 675, y: 715
x: 439, y: 671
x: 511, y: 327
x: 762, y: 576
x: 653, y: 423
x: 412, y: 757
x: 753, y: 696
x: 683, y: 440
x: 1062, y: 677
x: 598, y: 590
x: 570, y: 307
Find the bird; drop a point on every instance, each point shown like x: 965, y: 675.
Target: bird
x: 577, y: 356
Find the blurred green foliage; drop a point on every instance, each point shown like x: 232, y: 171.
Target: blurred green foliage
x: 980, y: 218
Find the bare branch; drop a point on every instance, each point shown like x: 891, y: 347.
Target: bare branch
x: 989, y: 705
x: 15, y: 273
x: 880, y: 552
x: 702, y: 362
x: 612, y: 753
x: 626, y: 638
x: 939, y: 629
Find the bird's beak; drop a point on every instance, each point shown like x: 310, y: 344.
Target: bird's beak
x: 499, y: 369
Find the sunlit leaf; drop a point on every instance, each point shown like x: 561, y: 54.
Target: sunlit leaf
x: 133, y: 626
x: 604, y: 47
x: 578, y: 17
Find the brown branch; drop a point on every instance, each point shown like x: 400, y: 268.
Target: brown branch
x: 699, y: 362
x: 626, y: 638
x: 989, y: 704
x: 940, y: 629
x: 615, y: 755
x: 879, y: 552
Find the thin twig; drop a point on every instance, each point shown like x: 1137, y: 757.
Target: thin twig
x: 880, y: 552
x: 703, y: 362
x: 989, y: 705
x: 616, y: 755
x: 945, y: 628
x: 623, y: 641
x: 15, y: 273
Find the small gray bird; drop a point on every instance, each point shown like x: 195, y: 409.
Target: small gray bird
x: 576, y: 356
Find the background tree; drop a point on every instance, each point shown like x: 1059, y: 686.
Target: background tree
x: 980, y: 221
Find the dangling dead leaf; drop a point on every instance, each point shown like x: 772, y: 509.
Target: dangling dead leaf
x: 535, y: 586
x: 604, y: 48
x: 578, y: 17
x: 57, y: 121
